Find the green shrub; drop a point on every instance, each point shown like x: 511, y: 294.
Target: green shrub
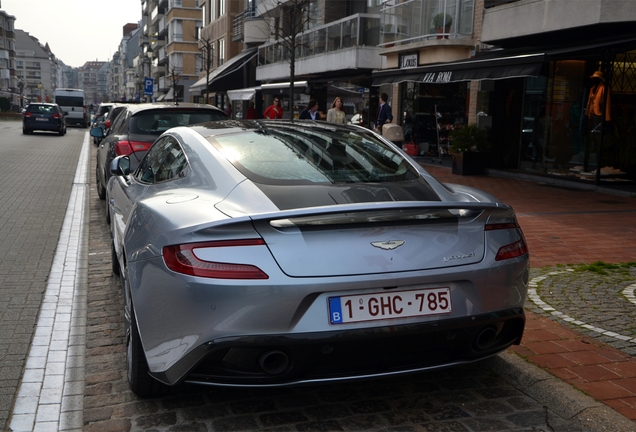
x: 5, y: 104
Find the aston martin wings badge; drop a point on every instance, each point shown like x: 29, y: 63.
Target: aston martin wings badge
x: 388, y: 245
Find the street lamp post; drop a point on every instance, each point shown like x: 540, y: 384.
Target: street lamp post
x: 21, y: 88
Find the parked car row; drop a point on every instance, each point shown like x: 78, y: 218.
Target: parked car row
x: 271, y: 253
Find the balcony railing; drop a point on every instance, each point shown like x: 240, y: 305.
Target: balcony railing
x: 408, y: 21
x: 239, y: 22
x: 355, y: 30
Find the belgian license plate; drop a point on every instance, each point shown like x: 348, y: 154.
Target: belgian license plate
x: 40, y: 119
x: 387, y: 305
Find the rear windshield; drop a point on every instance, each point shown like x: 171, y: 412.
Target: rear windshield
x: 159, y: 121
x: 71, y: 101
x: 44, y: 109
x: 304, y: 156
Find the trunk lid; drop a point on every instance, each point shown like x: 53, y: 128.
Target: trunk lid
x: 375, y: 239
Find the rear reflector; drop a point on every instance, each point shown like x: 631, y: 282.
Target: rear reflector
x: 498, y: 226
x: 182, y: 259
x: 512, y: 250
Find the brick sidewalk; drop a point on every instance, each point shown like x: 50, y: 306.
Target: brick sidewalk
x: 570, y: 226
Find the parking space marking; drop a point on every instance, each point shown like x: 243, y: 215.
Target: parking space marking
x: 536, y: 299
x: 51, y: 393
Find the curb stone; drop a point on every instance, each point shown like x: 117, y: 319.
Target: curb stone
x: 558, y: 396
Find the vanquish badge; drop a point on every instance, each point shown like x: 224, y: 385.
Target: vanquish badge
x: 388, y: 245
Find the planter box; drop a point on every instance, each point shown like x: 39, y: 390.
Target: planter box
x: 470, y: 163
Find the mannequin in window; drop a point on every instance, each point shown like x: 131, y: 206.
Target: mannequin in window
x: 598, y: 102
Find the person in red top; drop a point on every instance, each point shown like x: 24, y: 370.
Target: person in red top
x: 274, y: 111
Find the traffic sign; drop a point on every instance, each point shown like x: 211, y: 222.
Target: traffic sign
x: 149, y: 84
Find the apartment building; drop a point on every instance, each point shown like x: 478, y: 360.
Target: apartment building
x: 169, y: 51
x: 522, y: 68
x: 225, y: 62
x: 36, y: 68
x: 91, y: 76
x: 9, y: 83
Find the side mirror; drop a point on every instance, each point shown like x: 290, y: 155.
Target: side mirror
x: 120, y: 166
x: 97, y: 132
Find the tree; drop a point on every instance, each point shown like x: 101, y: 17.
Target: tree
x: 206, y: 46
x: 292, y: 18
x: 174, y: 76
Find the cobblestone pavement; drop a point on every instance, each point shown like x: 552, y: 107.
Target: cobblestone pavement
x: 503, y: 393
x: 35, y: 180
x: 601, y: 304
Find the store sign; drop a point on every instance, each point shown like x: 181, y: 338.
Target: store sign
x: 408, y: 61
x: 438, y: 77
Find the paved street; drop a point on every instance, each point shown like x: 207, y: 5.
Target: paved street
x: 504, y: 393
x: 36, y: 175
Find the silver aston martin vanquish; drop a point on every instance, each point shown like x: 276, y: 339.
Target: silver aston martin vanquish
x: 269, y: 253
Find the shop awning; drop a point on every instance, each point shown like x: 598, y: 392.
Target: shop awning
x: 228, y: 75
x: 466, y: 70
x: 242, y: 94
x: 276, y: 87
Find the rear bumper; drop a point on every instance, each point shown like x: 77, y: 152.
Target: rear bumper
x: 45, y: 126
x: 282, y: 360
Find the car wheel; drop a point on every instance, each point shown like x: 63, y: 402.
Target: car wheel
x: 101, y: 191
x: 25, y: 131
x: 140, y: 382
x: 61, y: 131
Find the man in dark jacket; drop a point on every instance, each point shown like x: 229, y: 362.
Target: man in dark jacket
x: 311, y: 112
x: 384, y: 113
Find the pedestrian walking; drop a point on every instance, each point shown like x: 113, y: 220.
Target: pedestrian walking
x: 274, y: 111
x: 336, y: 114
x: 384, y: 112
x: 311, y: 112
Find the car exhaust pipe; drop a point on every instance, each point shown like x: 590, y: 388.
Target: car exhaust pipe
x: 485, y: 338
x: 273, y: 362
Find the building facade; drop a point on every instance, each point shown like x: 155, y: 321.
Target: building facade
x: 36, y: 68
x: 523, y: 69
x: 169, y: 47
x: 9, y: 83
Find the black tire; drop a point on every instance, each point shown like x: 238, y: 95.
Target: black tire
x: 101, y: 191
x: 107, y: 212
x: 61, y: 132
x: 25, y: 131
x: 113, y: 257
x: 139, y: 380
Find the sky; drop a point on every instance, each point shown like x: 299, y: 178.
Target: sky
x: 77, y: 31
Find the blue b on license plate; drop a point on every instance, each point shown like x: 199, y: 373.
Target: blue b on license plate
x: 387, y: 305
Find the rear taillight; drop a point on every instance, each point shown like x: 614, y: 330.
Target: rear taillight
x: 28, y: 114
x: 512, y: 250
x: 126, y: 148
x: 56, y: 116
x: 182, y: 259
x: 122, y: 148
x: 107, y: 124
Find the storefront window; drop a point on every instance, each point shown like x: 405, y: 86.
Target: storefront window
x: 430, y: 112
x: 559, y: 138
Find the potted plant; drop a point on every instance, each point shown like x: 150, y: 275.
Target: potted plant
x: 442, y: 22
x: 470, y: 146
